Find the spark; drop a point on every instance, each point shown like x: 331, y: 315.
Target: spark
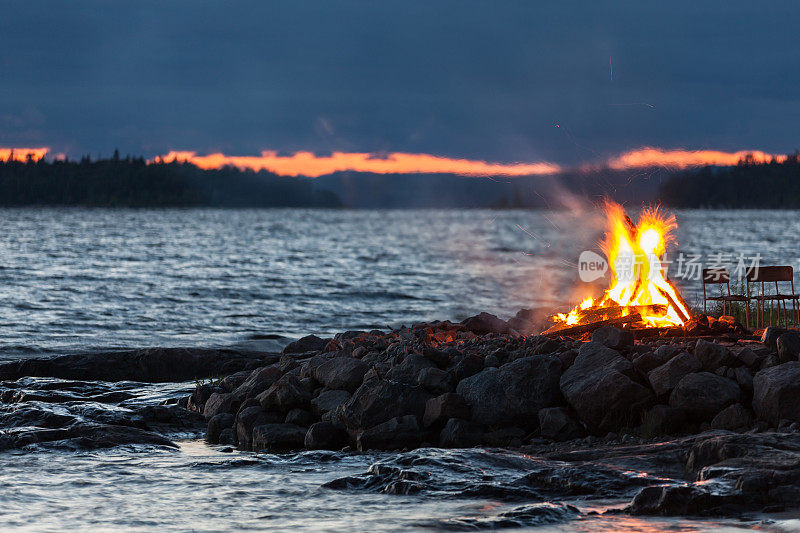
x: 526, y: 231
x: 551, y: 222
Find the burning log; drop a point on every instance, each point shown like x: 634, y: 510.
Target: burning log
x: 560, y: 329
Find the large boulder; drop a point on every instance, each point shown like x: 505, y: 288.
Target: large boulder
x: 328, y: 401
x: 702, y: 395
x: 309, y: 343
x: 278, y: 437
x: 735, y: 417
x: 664, y: 378
x: 326, y: 436
x: 435, y: 380
x: 379, y: 400
x: 776, y: 393
x: 713, y: 355
x: 770, y: 336
x: 663, y: 420
x: 599, y: 389
x: 788, y: 346
x: 458, y: 433
x: 231, y: 381
x: 216, y: 424
x: 257, y: 382
x: 247, y: 419
x: 220, y: 402
x: 612, y: 337
x: 442, y: 408
x: 513, y: 393
x: 394, y: 434
x: 344, y: 373
x: 556, y: 423
x: 485, y: 323
x: 409, y: 370
x: 285, y: 394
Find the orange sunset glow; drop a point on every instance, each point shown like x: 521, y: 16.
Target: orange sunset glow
x: 651, y: 157
x: 21, y: 154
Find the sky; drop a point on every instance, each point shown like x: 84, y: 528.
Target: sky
x: 559, y: 83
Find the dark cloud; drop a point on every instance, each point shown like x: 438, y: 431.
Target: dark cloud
x: 475, y: 79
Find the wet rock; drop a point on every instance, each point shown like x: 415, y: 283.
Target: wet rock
x: 664, y: 378
x: 345, y: 373
x: 435, y: 380
x: 285, y: 394
x: 703, y: 395
x: 670, y: 500
x: 598, y: 388
x: 326, y: 436
x: 513, y: 393
x: 249, y: 418
x: 230, y: 382
x: 379, y: 400
x: 216, y: 424
x: 278, y: 437
x: 467, y: 367
x: 159, y: 418
x: 227, y: 437
x: 713, y: 355
x: 458, y: 433
x: 770, y: 337
x: 409, y: 370
x: 735, y: 417
x: 257, y: 382
x: 299, y: 417
x: 788, y: 345
x: 198, y: 399
x: 442, y: 408
x: 556, y: 423
x: 309, y: 343
x: 612, y: 337
x: 396, y: 433
x: 663, y: 420
x: 776, y: 393
x: 328, y: 401
x: 220, y: 403
x: 485, y: 323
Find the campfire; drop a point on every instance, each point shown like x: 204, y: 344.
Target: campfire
x: 639, y: 295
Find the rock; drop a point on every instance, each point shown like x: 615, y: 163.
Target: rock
x: 345, y: 373
x: 278, y: 437
x: 227, y: 437
x: 467, y: 367
x: 285, y: 394
x: 735, y: 417
x: 485, y: 323
x: 713, y: 355
x: 396, y: 433
x: 647, y: 362
x: 663, y: 420
x: 665, y: 352
x: 547, y: 347
x: 328, y: 401
x: 438, y: 357
x: 309, y: 343
x: 770, y: 361
x: 220, y: 403
x: 326, y: 436
x: 409, y: 370
x: 513, y: 393
x: 435, y: 380
x: 670, y: 500
x: 379, y: 400
x: 703, y: 395
x: 442, y: 408
x: 598, y: 388
x: 257, y: 382
x: 230, y: 382
x: 504, y: 437
x: 459, y: 433
x: 745, y: 355
x: 743, y: 377
x: 492, y: 360
x: 216, y: 424
x: 556, y: 423
x: 299, y: 417
x: 770, y: 337
x: 612, y: 337
x: 788, y: 345
x: 664, y: 378
x: 567, y: 358
x: 199, y: 397
x: 250, y: 417
x: 776, y: 393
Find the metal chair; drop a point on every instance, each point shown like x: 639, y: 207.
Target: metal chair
x: 719, y: 276
x: 773, y: 274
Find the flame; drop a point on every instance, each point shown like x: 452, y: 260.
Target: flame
x: 638, y: 284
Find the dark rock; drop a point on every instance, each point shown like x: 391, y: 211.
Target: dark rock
x: 492, y: 361
x: 227, y: 437
x: 612, y: 337
x: 438, y: 357
x: 345, y: 373
x: 598, y: 388
x: 299, y: 417
x: 504, y: 437
x: 513, y: 393
x: 379, y: 400
x: 250, y: 417
x: 547, y: 347
x: 217, y: 424
x: 666, y: 352
x: 442, y: 408
x: 278, y: 437
x: 257, y: 382
x: 199, y: 397
x: 230, y: 382
x: 647, y: 362
x: 703, y: 395
x: 328, y: 401
x: 664, y: 378
x: 745, y: 355
x: 485, y: 323
x: 396, y: 433
x: 663, y: 420
x: 743, y: 377
x: 713, y: 355
x: 309, y: 343
x: 409, y: 370
x: 670, y: 500
x: 435, y: 380
x: 770, y: 361
x: 788, y: 345
x: 285, y: 394
x: 220, y: 403
x: 770, y: 337
x: 567, y: 358
x: 459, y: 433
x: 735, y: 417
x: 776, y: 393
x: 325, y: 436
x: 556, y: 423
x: 467, y: 367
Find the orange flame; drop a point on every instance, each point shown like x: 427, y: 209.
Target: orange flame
x: 638, y: 283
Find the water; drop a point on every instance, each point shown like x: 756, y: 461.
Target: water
x: 74, y: 279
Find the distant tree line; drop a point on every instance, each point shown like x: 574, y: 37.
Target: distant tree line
x: 132, y: 182
x: 773, y: 185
